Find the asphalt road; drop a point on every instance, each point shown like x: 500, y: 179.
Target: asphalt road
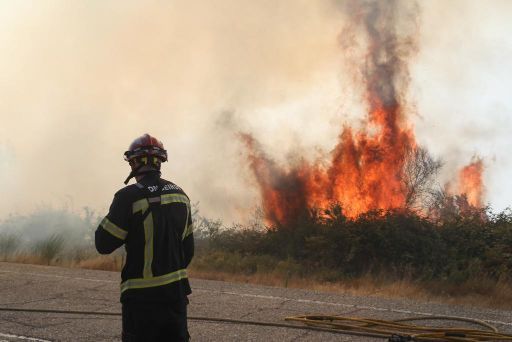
x: 42, y: 287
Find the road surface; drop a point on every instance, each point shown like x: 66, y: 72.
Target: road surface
x: 43, y: 287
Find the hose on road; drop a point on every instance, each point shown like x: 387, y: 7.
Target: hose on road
x: 394, y: 330
x: 398, y: 331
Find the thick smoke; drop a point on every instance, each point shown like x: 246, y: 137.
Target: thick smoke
x: 391, y: 29
x: 80, y: 80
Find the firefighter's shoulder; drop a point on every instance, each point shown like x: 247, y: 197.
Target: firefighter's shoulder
x: 127, y: 192
x: 172, y: 188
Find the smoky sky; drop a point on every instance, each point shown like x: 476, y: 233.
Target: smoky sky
x: 80, y: 80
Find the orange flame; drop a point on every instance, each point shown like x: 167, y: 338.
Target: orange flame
x: 471, y: 182
x: 364, y: 173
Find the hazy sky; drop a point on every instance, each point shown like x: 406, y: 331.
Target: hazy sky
x: 79, y: 80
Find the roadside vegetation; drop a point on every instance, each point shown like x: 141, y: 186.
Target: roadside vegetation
x: 463, y: 256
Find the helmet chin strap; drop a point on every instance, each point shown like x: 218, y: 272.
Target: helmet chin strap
x: 136, y: 172
x: 133, y: 173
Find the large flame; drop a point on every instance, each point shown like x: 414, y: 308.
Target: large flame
x: 364, y: 171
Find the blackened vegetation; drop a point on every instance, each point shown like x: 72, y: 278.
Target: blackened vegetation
x: 327, y: 246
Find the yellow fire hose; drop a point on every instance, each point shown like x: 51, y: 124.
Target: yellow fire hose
x: 398, y: 331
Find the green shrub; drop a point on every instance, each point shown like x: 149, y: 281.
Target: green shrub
x: 401, y: 244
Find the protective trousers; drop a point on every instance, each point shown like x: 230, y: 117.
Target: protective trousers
x: 155, y: 322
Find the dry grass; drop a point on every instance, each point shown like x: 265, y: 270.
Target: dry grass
x: 23, y: 258
x: 106, y: 263
x: 481, y: 293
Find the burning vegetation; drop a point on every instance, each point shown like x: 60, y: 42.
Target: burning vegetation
x: 380, y: 167
x: 471, y: 182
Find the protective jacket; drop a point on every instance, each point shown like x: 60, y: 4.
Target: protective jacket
x: 152, y: 218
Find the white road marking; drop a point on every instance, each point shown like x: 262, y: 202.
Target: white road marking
x: 23, y: 338
x: 307, y: 301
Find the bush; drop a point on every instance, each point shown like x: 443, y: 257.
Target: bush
x: 400, y: 244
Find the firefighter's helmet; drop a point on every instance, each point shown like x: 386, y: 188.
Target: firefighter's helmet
x: 146, y: 146
x: 145, y: 153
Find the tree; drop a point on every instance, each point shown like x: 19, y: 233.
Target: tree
x: 418, y: 176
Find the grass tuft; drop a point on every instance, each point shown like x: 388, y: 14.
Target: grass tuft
x: 9, y: 246
x: 49, y: 248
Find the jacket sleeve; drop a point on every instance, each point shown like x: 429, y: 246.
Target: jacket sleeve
x: 188, y: 241
x: 113, y: 229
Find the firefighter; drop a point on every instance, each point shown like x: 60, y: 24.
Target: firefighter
x: 152, y: 219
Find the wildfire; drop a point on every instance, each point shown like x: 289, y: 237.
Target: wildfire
x: 364, y: 173
x: 365, y: 170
